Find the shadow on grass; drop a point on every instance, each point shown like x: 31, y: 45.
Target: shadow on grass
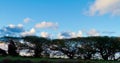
x: 19, y: 59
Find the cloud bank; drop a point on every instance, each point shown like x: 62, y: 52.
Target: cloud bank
x: 93, y: 32
x: 101, y: 7
x: 48, y: 25
x: 29, y: 33
x: 11, y: 30
x: 26, y: 20
x: 45, y: 34
x: 69, y: 34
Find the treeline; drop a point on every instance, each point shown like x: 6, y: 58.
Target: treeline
x: 80, y: 48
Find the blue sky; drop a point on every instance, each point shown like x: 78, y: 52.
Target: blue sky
x: 60, y: 18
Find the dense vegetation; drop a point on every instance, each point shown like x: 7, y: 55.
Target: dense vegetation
x: 84, y: 48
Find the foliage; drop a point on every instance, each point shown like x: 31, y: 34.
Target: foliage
x: 38, y: 42
x: 81, y: 47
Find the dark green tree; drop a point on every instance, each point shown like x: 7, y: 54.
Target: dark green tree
x: 67, y: 46
x: 86, y: 47
x: 12, y: 49
x: 107, y: 46
x: 39, y: 42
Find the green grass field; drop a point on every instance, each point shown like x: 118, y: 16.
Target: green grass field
x: 9, y: 59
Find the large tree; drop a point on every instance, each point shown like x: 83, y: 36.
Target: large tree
x: 85, y: 47
x: 107, y: 46
x: 67, y: 46
x: 39, y: 42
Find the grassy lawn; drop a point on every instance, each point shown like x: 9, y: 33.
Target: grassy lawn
x: 48, y: 60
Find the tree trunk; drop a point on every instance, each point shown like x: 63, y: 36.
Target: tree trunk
x: 37, y: 52
x: 105, y: 57
x: 88, y: 56
x: 70, y: 56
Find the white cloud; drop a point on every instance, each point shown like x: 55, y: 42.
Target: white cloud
x: 69, y: 34
x: 45, y: 34
x: 64, y: 35
x: 20, y: 25
x: 93, y: 32
x: 4, y: 46
x: 11, y: 30
x: 14, y: 26
x: 102, y: 7
x: 47, y: 25
x: 79, y: 34
x: 26, y: 20
x: 29, y: 33
x: 11, y: 26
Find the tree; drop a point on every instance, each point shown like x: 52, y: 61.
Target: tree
x: 67, y: 46
x: 12, y: 49
x: 86, y: 47
x: 39, y: 42
x: 106, y: 46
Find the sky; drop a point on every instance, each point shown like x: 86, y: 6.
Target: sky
x: 59, y: 18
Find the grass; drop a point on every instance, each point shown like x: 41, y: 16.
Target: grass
x: 20, y: 58
x: 48, y: 60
